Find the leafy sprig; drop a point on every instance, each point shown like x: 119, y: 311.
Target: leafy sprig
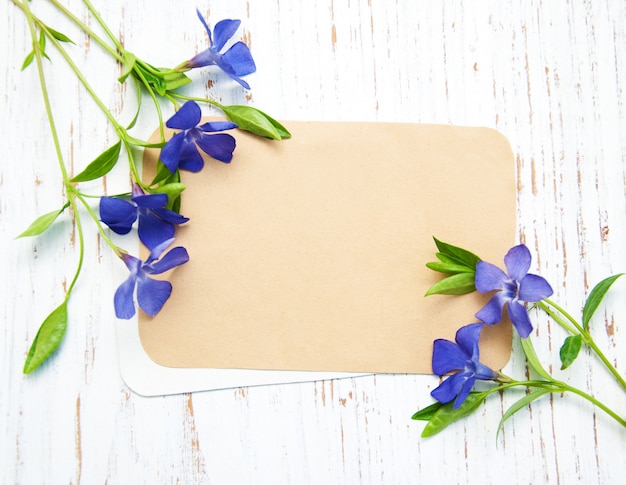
x: 160, y: 85
x: 453, y: 261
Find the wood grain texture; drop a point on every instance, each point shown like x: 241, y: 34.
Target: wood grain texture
x: 548, y: 75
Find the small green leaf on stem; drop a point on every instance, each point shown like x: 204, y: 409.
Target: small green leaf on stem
x: 60, y: 36
x: 570, y: 350
x: 533, y: 360
x: 43, y: 222
x: 255, y: 121
x: 101, y: 165
x: 173, y: 190
x: 596, y: 296
x: 127, y: 66
x: 48, y: 338
x: 457, y: 284
x: 174, y: 80
x: 28, y: 60
x: 457, y: 254
x: 449, y: 268
x: 447, y: 415
x: 427, y: 413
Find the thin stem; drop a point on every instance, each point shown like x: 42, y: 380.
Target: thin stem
x: 199, y: 100
x: 558, y: 386
x: 68, y: 187
x: 605, y: 361
x: 574, y: 330
x: 87, y: 30
x: 595, y: 402
x: 586, y: 336
x: 101, y: 230
x: 563, y: 312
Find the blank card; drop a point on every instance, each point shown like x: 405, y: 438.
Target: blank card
x: 309, y: 254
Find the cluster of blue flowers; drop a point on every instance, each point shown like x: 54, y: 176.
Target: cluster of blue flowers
x: 156, y: 224
x: 513, y: 289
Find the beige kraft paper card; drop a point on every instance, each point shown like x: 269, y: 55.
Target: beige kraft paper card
x: 309, y: 253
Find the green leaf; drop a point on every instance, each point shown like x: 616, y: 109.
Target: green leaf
x: 48, y: 338
x: 127, y: 66
x: 173, y: 190
x: 28, y: 60
x: 427, y: 413
x: 519, y: 404
x: 533, y: 360
x: 458, y: 284
x: 457, y: 254
x: 43, y: 222
x: 447, y: 415
x: 163, y: 174
x: 255, y: 121
x: 142, y: 73
x: 174, y: 80
x: 570, y: 349
x: 140, y: 143
x: 449, y: 268
x: 60, y: 36
x: 596, y: 296
x: 101, y: 165
x: 42, y: 41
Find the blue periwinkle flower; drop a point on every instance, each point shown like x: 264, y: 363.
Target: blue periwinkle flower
x: 236, y: 61
x: 156, y: 223
x: 151, y: 294
x: 513, y: 288
x: 462, y: 358
x: 181, y: 151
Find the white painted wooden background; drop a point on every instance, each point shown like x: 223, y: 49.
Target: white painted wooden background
x: 548, y: 75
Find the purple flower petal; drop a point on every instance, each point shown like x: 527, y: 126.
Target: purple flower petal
x: 170, y: 216
x: 467, y: 337
x: 447, y: 357
x: 187, y: 117
x: 237, y: 60
x: 173, y: 258
x: 152, y: 294
x: 489, y: 277
x: 534, y: 288
x: 150, y: 201
x: 520, y: 319
x: 153, y: 230
x: 123, y: 299
x: 208, y: 31
x: 491, y: 313
x: 464, y: 392
x: 213, y: 126
x: 219, y: 146
x: 223, y: 31
x: 156, y: 252
x: 449, y: 388
x: 118, y: 214
x: 190, y: 159
x: 170, y: 153
x: 517, y: 262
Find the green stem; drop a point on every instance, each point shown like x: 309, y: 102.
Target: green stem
x: 85, y: 28
x: 66, y: 181
x: 199, y: 100
x: 586, y: 336
x: 96, y: 220
x: 563, y: 312
x: 558, y: 386
x: 121, y: 131
x: 574, y: 330
x: 595, y: 402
